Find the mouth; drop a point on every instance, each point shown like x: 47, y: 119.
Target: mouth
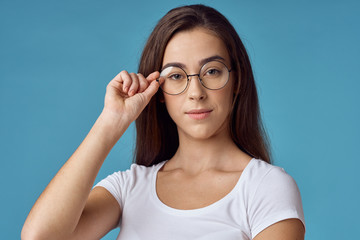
x: 199, y: 114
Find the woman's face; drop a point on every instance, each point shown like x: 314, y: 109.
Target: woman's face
x: 198, y: 112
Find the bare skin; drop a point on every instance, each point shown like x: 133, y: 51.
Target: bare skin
x: 69, y: 209
x: 207, y: 155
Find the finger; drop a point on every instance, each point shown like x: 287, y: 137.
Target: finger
x: 134, y: 85
x: 126, y: 79
x: 151, y: 90
x: 142, y: 82
x: 153, y: 76
x: 115, y: 82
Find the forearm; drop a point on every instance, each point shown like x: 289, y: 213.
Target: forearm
x: 58, y: 209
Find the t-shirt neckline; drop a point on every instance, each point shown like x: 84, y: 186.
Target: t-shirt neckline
x: 208, y: 208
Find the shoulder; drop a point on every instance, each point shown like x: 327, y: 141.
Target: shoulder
x: 260, y: 173
x: 273, y: 195
x: 120, y: 184
x: 134, y: 173
x: 266, y: 181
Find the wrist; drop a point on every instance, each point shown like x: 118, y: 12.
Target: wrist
x: 111, y: 126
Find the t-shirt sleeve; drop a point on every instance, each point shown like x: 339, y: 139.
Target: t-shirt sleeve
x: 276, y: 198
x: 116, y: 184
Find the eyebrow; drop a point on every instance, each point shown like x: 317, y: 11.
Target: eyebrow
x: 201, y: 62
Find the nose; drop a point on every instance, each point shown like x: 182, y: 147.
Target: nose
x: 195, y: 90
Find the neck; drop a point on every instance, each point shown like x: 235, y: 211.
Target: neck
x: 198, y: 155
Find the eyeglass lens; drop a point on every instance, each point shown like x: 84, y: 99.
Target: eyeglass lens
x: 213, y: 75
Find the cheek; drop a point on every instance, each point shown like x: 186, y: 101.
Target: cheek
x: 172, y: 106
x: 227, y: 104
x: 228, y: 95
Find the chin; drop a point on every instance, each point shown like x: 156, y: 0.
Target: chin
x: 202, y: 134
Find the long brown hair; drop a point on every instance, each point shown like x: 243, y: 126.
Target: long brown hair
x: 157, y: 137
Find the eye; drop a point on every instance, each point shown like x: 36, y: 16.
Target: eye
x: 212, y: 72
x: 175, y: 77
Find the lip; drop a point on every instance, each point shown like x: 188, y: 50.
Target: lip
x: 199, y: 114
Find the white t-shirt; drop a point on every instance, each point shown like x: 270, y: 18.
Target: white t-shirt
x: 264, y: 194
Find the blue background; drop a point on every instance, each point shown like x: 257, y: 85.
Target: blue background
x: 56, y: 58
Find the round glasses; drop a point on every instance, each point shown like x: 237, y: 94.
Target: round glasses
x: 213, y: 75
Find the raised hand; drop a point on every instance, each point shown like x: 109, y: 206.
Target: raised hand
x: 66, y: 209
x: 128, y: 94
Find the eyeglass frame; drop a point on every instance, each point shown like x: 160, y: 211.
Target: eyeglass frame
x: 192, y: 75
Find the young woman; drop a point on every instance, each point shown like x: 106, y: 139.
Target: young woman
x: 202, y: 162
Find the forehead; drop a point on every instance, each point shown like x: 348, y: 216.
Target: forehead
x: 190, y: 47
